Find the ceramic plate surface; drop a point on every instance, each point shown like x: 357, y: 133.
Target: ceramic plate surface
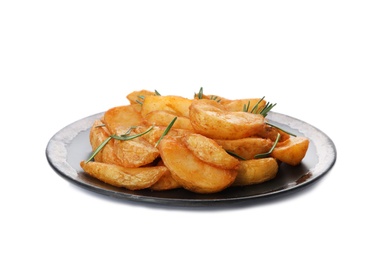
x: 71, y: 145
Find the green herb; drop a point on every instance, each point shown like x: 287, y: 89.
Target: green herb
x: 216, y: 98
x: 157, y: 93
x: 255, y: 109
x: 235, y: 155
x: 166, y: 131
x: 140, y: 99
x: 256, y: 106
x: 268, y: 107
x: 263, y: 155
x: 124, y: 137
x: 200, y: 94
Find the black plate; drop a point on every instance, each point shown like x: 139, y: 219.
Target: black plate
x: 71, y: 145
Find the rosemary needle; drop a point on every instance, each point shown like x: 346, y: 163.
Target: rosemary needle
x: 166, y: 131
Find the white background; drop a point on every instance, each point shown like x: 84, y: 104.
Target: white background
x: 320, y: 61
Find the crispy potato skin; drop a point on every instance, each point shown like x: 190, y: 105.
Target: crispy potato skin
x: 211, y: 119
x: 130, y: 178
x: 192, y: 173
x: 256, y: 171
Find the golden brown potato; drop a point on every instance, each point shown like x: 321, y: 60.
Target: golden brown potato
x: 130, y: 178
x: 134, y: 153
x: 209, y: 151
x: 119, y: 119
x: 192, y: 173
x: 256, y: 171
x: 248, y: 147
x: 137, y: 97
x: 164, y: 118
x: 211, y: 119
x: 176, y: 104
x: 291, y: 151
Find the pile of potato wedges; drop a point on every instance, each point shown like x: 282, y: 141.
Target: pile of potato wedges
x: 203, y: 144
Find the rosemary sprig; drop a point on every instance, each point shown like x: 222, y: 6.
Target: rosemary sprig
x: 263, y: 155
x: 255, y: 109
x: 124, y: 137
x: 268, y: 107
x: 166, y: 131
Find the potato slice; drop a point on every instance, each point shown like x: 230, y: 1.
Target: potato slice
x: 164, y: 118
x: 256, y: 171
x: 211, y: 119
x: 291, y: 151
x: 247, y: 148
x: 209, y: 151
x: 119, y: 119
x: 176, y: 104
x: 137, y: 97
x: 134, y: 153
x: 192, y: 173
x: 130, y: 178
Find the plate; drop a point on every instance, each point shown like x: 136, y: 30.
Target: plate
x: 71, y: 145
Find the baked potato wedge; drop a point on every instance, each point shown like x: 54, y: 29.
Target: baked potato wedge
x: 256, y: 171
x: 209, y: 151
x: 191, y: 172
x: 137, y: 97
x: 292, y: 151
x: 211, y: 119
x: 119, y: 119
x: 130, y: 178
